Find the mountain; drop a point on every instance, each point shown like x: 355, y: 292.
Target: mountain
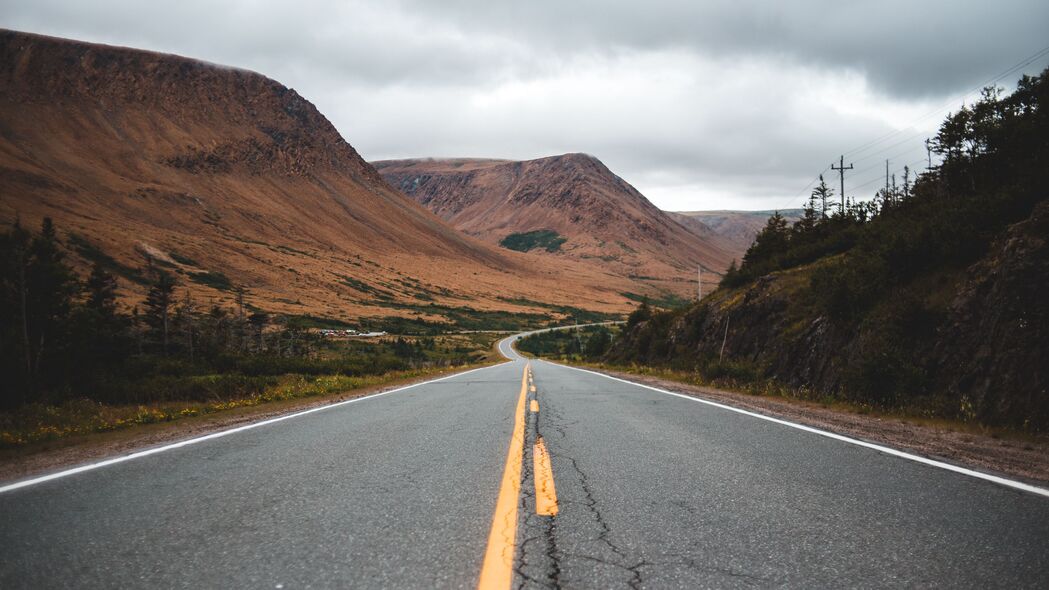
x: 736, y: 229
x: 230, y: 180
x: 566, y: 207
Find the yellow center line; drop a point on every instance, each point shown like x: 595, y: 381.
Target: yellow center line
x: 498, y: 568
x: 545, y: 494
x: 535, y: 407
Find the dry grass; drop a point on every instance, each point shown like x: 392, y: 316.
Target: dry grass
x: 36, y: 423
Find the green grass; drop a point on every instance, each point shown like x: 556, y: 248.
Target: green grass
x: 666, y: 301
x: 546, y: 239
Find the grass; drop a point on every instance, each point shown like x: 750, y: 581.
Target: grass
x: 773, y: 389
x: 186, y: 260
x: 666, y: 300
x: 546, y: 239
x: 35, y: 423
x: 213, y: 279
x: 92, y: 253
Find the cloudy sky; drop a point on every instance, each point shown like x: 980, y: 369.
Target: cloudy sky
x: 699, y: 104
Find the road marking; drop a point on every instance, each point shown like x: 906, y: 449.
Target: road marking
x: 535, y: 407
x: 498, y: 568
x: 545, y: 493
x: 221, y: 433
x: 887, y: 450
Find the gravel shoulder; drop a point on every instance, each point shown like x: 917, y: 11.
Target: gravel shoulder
x: 1023, y: 458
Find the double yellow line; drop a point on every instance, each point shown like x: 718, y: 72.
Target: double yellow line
x: 498, y: 568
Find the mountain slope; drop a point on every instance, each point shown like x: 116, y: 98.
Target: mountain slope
x: 601, y: 218
x: 229, y: 178
x: 931, y: 301
x: 736, y: 229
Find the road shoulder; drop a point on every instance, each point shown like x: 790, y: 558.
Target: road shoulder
x: 45, y: 457
x: 1025, y: 459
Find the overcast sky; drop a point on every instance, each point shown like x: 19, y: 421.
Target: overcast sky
x: 699, y: 104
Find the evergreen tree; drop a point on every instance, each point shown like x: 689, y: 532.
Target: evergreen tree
x: 101, y: 290
x: 770, y: 241
x: 641, y: 314
x: 822, y: 193
x: 258, y: 322
x: 50, y: 286
x: 158, y: 307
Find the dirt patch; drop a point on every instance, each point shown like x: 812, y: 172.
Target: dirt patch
x: 1019, y: 457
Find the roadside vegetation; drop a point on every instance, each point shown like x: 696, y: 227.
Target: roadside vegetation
x: 586, y: 344
x: 927, y: 299
x: 75, y: 361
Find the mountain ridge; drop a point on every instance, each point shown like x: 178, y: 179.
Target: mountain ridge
x: 605, y: 221
x: 150, y: 158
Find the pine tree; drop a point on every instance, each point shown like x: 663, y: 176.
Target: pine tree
x: 158, y: 307
x: 258, y: 321
x: 101, y: 290
x: 822, y: 193
x: 50, y: 286
x: 770, y: 241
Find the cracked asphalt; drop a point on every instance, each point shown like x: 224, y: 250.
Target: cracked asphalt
x: 657, y: 491
x: 399, y: 490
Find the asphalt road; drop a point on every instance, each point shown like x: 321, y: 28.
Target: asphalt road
x: 400, y: 490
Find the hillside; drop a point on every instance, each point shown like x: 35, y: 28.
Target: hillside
x: 229, y: 179
x: 928, y: 299
x: 568, y: 207
x: 736, y: 229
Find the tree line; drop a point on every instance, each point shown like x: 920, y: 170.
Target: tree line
x: 63, y: 337
x: 884, y: 273
x: 992, y: 173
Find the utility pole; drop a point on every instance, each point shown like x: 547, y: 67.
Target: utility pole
x: 841, y: 168
x: 887, y: 198
x: 699, y: 284
x: 928, y: 153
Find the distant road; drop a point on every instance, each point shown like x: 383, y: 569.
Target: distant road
x: 401, y: 490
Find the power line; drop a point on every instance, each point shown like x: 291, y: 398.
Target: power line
x: 807, y: 187
x: 1023, y: 63
x: 881, y: 139
x: 880, y: 176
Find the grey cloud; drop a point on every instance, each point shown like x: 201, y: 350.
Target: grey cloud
x: 729, y: 97
x: 908, y: 48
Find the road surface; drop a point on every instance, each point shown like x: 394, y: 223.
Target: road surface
x: 442, y: 485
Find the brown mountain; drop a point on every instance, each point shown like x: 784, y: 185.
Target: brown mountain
x: 567, y: 207
x: 227, y: 178
x: 736, y: 229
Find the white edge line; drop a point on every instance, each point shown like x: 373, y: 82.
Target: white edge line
x: 183, y: 443
x: 887, y: 450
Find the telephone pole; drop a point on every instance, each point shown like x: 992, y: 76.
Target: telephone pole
x: 887, y: 197
x: 928, y: 153
x: 841, y: 168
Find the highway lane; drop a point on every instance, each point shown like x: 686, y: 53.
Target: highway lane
x: 400, y: 490
x: 657, y: 491
x: 393, y: 491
